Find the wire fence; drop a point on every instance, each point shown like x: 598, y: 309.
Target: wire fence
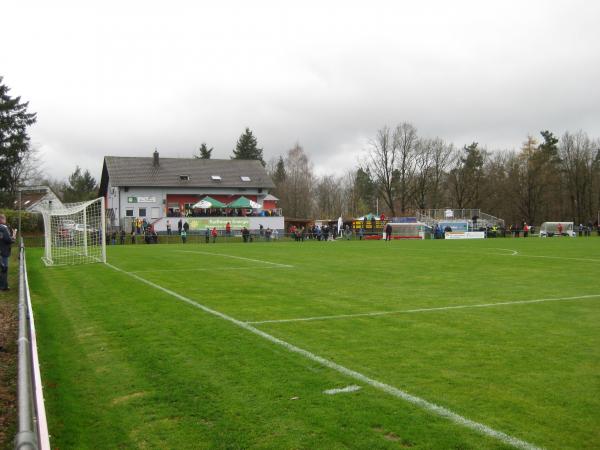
x: 32, y: 432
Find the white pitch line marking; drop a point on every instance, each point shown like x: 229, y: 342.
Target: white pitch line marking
x: 516, y: 253
x: 235, y: 257
x: 391, y: 390
x: 513, y: 252
x: 351, y: 388
x: 406, y: 311
x: 198, y: 270
x: 559, y: 257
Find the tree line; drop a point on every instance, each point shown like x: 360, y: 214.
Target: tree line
x: 548, y: 178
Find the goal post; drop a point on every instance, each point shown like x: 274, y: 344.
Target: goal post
x: 551, y: 229
x: 74, y: 233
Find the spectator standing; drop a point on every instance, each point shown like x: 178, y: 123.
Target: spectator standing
x: 122, y: 237
x: 7, y: 239
x: 228, y: 229
x: 207, y: 235
x: 183, y: 236
x: 179, y: 226
x: 245, y: 234
x: 168, y: 227
x: 388, y: 232
x: 214, y: 234
x: 186, y: 227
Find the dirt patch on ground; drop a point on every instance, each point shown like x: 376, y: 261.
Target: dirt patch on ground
x: 8, y: 359
x: 126, y: 398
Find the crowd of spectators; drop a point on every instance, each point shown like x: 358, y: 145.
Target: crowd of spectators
x: 224, y: 212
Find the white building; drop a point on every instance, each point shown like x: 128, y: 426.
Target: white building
x: 160, y: 189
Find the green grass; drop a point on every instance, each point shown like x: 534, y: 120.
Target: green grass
x: 126, y: 365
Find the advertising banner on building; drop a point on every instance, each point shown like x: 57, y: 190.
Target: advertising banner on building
x: 200, y: 223
x: 465, y: 235
x: 141, y: 199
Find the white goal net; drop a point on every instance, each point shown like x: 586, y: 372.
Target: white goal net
x: 550, y: 229
x: 416, y: 230
x: 74, y: 233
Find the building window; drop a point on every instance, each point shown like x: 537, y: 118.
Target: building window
x: 245, y: 178
x: 142, y: 212
x: 215, y: 177
x: 129, y: 212
x: 184, y: 178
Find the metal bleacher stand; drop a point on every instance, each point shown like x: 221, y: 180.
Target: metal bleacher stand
x: 32, y: 430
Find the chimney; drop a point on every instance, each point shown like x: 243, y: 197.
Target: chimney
x: 155, y: 161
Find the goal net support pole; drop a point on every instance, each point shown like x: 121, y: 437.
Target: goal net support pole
x: 74, y: 233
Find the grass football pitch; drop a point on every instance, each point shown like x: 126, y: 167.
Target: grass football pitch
x: 405, y: 344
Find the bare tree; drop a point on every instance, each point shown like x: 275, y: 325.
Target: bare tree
x: 577, y: 156
x: 432, y: 157
x: 381, y: 162
x: 442, y: 157
x: 297, y: 198
x: 405, y: 141
x: 329, y: 197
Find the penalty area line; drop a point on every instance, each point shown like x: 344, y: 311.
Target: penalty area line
x: 391, y: 390
x: 235, y: 257
x: 408, y: 311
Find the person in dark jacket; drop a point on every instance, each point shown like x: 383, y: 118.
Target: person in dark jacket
x: 7, y: 239
x: 388, y: 232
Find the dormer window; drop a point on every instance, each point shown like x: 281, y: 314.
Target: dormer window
x: 184, y: 178
x: 244, y: 178
x: 215, y: 177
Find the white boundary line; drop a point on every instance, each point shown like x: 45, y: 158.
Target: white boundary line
x: 235, y: 257
x: 516, y: 253
x: 406, y: 311
x: 206, y: 269
x: 351, y: 388
x: 558, y: 257
x: 422, y: 403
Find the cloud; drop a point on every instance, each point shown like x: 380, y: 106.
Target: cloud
x: 121, y: 78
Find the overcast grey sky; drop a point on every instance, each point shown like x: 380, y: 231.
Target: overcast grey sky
x: 123, y: 77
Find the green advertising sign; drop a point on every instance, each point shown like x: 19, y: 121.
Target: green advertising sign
x: 200, y: 223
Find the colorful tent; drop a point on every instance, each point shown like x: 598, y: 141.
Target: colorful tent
x: 368, y: 217
x: 209, y: 202
x: 243, y: 202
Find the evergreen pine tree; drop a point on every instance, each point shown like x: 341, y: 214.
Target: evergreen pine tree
x: 279, y: 175
x: 81, y: 187
x: 14, y: 143
x: 204, y: 152
x: 247, y: 148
